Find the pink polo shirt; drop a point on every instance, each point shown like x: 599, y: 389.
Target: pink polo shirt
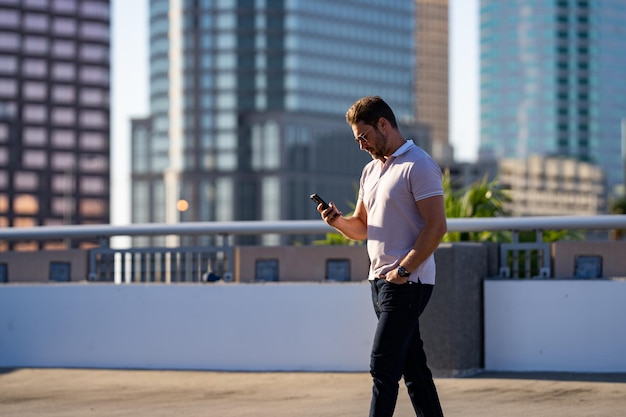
x: 389, y: 192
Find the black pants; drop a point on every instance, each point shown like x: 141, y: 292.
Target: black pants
x: 398, y: 350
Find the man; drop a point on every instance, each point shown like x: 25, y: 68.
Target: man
x: 400, y: 212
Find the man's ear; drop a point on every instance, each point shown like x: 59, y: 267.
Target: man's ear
x: 382, y: 124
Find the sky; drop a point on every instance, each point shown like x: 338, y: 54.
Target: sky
x: 129, y: 87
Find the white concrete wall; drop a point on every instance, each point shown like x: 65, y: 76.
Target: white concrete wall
x: 555, y: 325
x: 247, y: 327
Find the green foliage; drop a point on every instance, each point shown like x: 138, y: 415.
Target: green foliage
x: 485, y: 198
x: 482, y: 198
x: 618, y: 207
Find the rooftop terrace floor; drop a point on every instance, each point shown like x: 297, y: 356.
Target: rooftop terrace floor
x: 98, y: 393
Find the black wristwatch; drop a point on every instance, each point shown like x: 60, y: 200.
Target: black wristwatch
x: 403, y: 272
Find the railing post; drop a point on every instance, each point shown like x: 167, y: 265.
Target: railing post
x: 230, y: 262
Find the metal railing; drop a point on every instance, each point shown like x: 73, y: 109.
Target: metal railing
x: 182, y: 260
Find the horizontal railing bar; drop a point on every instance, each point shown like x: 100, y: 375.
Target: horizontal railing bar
x: 474, y: 224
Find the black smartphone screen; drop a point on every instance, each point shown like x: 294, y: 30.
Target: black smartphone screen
x: 319, y: 200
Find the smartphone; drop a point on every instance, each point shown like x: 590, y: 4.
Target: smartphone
x: 319, y: 200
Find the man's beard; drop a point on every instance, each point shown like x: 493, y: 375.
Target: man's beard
x: 378, y: 151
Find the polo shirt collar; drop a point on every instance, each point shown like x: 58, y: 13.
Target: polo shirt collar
x: 404, y: 148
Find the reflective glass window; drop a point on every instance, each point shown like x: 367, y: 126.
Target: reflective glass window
x: 64, y: 26
x: 62, y: 160
x: 9, y: 41
x: 34, y: 113
x: 34, y: 159
x: 94, y: 75
x: 35, y: 90
x: 8, y: 64
x: 92, y: 141
x: 39, y: 4
x: 63, y: 71
x: 34, y: 67
x: 36, y: 22
x: 24, y: 181
x: 94, y: 30
x: 63, y: 116
x: 9, y: 18
x: 63, y: 138
x: 63, y: 93
x: 8, y: 87
x: 64, y: 5
x: 92, y: 185
x: 94, y: 8
x: 63, y: 48
x: 93, y: 96
x: 34, y: 136
x: 92, y: 52
x: 92, y: 118
x: 36, y: 44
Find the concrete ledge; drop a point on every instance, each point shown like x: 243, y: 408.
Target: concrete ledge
x: 555, y: 325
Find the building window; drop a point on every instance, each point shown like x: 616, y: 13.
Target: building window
x: 35, y: 113
x: 34, y: 159
x: 39, y: 4
x: 35, y: 90
x: 25, y: 181
x: 93, y: 97
x: 93, y: 30
x: 8, y: 87
x: 90, y: 207
x: 92, y: 141
x: 94, y: 75
x: 92, y: 185
x: 64, y: 49
x: 63, y: 116
x: 62, y: 160
x: 9, y: 41
x: 64, y: 26
x: 96, y: 53
x: 36, y: 22
x: 62, y: 138
x: 64, y: 5
x: 36, y: 45
x: 34, y: 136
x: 8, y: 64
x: 63, y: 94
x: 35, y: 67
x: 95, y: 9
x: 9, y: 18
x: 92, y: 118
x: 63, y: 71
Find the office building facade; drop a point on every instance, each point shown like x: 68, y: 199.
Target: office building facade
x: 54, y: 112
x: 553, y: 186
x: 431, y: 75
x: 247, y: 104
x: 552, y: 81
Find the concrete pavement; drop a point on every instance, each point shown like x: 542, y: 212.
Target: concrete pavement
x: 138, y: 393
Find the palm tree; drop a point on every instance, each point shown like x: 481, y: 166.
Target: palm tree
x: 482, y: 198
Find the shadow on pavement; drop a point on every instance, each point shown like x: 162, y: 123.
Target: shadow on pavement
x: 554, y: 376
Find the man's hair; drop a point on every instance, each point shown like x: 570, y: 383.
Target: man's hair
x: 368, y: 110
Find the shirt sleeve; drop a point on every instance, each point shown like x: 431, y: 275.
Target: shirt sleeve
x: 426, y: 179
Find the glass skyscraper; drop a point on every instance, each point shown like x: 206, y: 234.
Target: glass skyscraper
x: 553, y: 80
x: 248, y: 99
x: 54, y: 112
